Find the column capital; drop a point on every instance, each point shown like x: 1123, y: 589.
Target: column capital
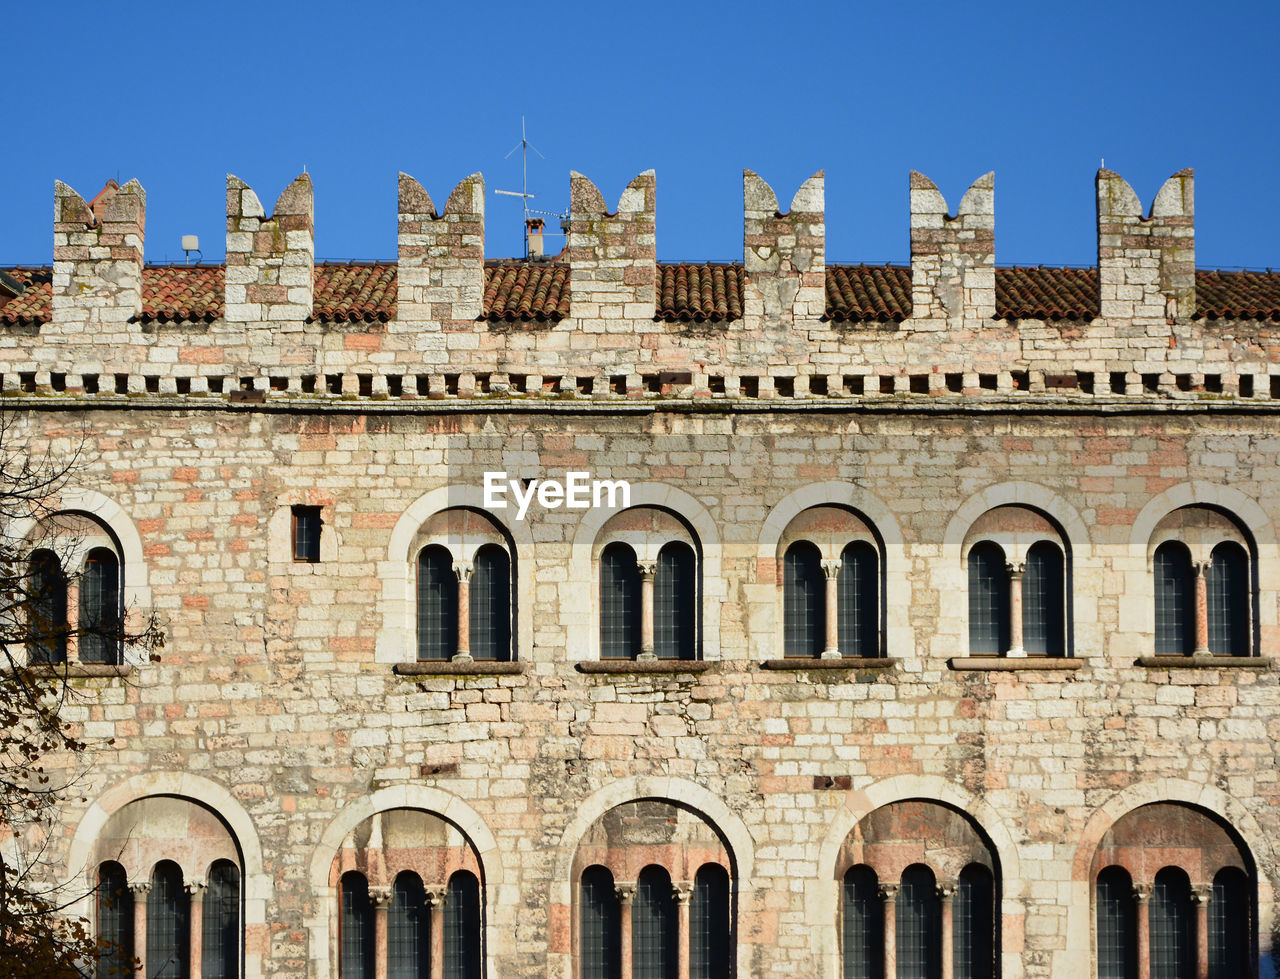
x: 195, y: 888
x: 1142, y: 893
x: 1201, y: 568
x: 1201, y: 893
x: 463, y: 570
x: 139, y: 888
x: 380, y: 897
x: 435, y: 896
x: 682, y: 892
x: 626, y: 893
x: 1015, y: 569
x: 830, y: 568
x: 947, y: 892
x: 889, y: 893
x: 647, y: 569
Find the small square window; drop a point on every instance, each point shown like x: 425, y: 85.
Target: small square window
x: 306, y: 534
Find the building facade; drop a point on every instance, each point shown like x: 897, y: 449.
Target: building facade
x: 931, y: 633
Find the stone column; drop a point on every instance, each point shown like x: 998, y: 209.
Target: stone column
x: 682, y: 894
x: 463, y: 570
x: 626, y: 895
x: 140, y: 889
x: 1015, y: 609
x: 831, y: 571
x: 889, y: 894
x: 435, y: 901
x: 1201, y: 569
x: 1200, y: 896
x: 947, y: 894
x: 647, y: 571
x: 195, y: 890
x: 380, y: 897
x: 1141, y: 894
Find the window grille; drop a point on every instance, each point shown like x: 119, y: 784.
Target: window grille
x: 220, y: 923
x: 619, y: 603
x: 804, y: 605
x: 709, y: 924
x: 437, y: 605
x: 973, y: 925
x: 46, y: 609
x: 355, y: 937
x: 408, y: 930
x: 919, y: 925
x: 1172, y: 926
x: 168, y: 923
x: 306, y: 534
x: 1043, y: 598
x: 863, y: 931
x: 858, y: 592
x: 988, y: 600
x: 100, y: 613
x: 653, y: 926
x: 1228, y: 587
x: 491, y: 604
x: 1230, y: 927
x: 1175, y: 601
x: 115, y: 922
x: 675, y: 603
x: 600, y: 939
x: 462, y: 927
x: 1117, y: 926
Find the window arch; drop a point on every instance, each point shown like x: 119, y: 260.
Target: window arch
x: 1117, y: 925
x: 653, y: 926
x: 490, y: 604
x: 47, y: 624
x: 101, y: 622
x: 220, y: 922
x: 988, y: 600
x: 862, y: 930
x: 1228, y: 600
x: 1172, y: 924
x: 919, y: 924
x: 437, y: 604
x: 462, y: 942
x: 675, y: 612
x: 803, y: 601
x: 858, y: 606
x: 619, y: 603
x: 1175, y: 601
x: 709, y: 925
x: 973, y: 924
x: 1229, y: 915
x: 1043, y: 629
x: 599, y: 928
x: 115, y: 921
x: 408, y: 929
x: 355, y: 928
x: 168, y: 922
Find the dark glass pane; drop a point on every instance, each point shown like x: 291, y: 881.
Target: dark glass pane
x: 1043, y: 598
x: 1117, y: 926
x: 306, y: 533
x: 919, y: 925
x: 491, y: 604
x: 600, y: 938
x: 1228, y: 587
x: 1175, y: 601
x: 653, y: 926
x: 115, y: 922
x: 709, y: 924
x: 1172, y: 926
x: 858, y: 608
x: 462, y: 927
x: 408, y: 930
x: 988, y: 600
x: 804, y: 601
x: 220, y: 923
x: 863, y: 925
x: 168, y: 924
x: 46, y: 610
x: 437, y: 604
x: 619, y: 603
x: 355, y: 939
x: 974, y: 925
x: 675, y: 603
x: 1230, y: 930
x: 100, y: 620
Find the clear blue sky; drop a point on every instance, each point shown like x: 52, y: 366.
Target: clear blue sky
x: 178, y: 95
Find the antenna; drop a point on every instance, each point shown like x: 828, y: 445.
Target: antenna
x: 524, y: 146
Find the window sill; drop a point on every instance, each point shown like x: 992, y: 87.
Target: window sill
x: 648, y: 666
x: 1046, y: 664
x: 843, y: 663
x: 450, y: 668
x: 78, y: 671
x: 1205, y: 662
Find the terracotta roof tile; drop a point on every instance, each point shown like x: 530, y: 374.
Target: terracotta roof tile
x: 354, y: 292
x: 1046, y: 294
x: 526, y: 291
x: 32, y: 304
x: 1238, y: 295
x: 699, y: 292
x: 868, y: 292
x: 178, y: 293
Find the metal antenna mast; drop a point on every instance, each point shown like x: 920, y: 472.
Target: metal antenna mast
x: 524, y: 146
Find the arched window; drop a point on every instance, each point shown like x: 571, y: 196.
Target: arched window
x: 600, y: 929
x: 100, y: 613
x: 858, y: 586
x: 919, y: 924
x: 619, y: 603
x: 973, y: 924
x: 804, y: 617
x: 1117, y: 925
x: 1175, y: 600
x: 115, y: 922
x: 491, y: 604
x: 220, y: 923
x: 709, y: 924
x: 1172, y: 926
x: 462, y: 927
x: 863, y: 926
x: 988, y: 600
x: 1228, y: 595
x: 1230, y: 928
x: 437, y: 604
x: 168, y: 923
x: 653, y: 926
x: 408, y: 929
x: 675, y: 603
x: 46, y: 609
x: 1043, y: 598
x: 355, y: 937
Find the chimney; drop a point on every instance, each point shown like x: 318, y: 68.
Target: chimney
x: 533, y: 235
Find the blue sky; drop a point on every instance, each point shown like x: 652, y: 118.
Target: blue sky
x: 178, y: 95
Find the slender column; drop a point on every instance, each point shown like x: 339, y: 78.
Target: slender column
x: 1201, y: 569
x: 682, y: 893
x: 647, y: 571
x: 1015, y: 609
x: 831, y: 571
x: 140, y: 889
x: 463, y: 570
x: 435, y: 901
x: 947, y: 894
x: 1141, y: 894
x: 195, y: 888
x: 380, y: 897
x: 626, y: 895
x: 889, y: 894
x: 1200, y: 897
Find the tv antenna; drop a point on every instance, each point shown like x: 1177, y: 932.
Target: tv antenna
x: 524, y: 146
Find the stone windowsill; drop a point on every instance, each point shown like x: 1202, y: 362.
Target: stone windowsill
x: 645, y: 666
x: 1036, y: 663
x: 1210, y: 662
x: 843, y: 663
x: 452, y: 668
x: 77, y: 671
